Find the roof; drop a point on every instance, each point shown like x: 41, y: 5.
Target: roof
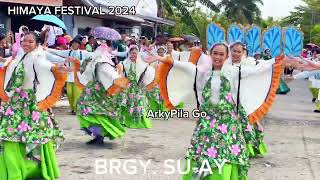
x: 146, y: 10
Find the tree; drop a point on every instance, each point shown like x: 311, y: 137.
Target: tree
x: 173, y: 8
x: 315, y: 34
x: 306, y: 17
x: 241, y: 11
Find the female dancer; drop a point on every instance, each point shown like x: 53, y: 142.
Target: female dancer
x: 218, y: 138
x: 253, y: 133
x: 98, y: 105
x: 142, y: 79
x: 30, y: 84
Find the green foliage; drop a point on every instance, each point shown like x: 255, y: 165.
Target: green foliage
x: 307, y: 17
x: 241, y: 11
x: 315, y: 34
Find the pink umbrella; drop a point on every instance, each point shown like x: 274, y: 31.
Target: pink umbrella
x: 311, y: 46
x: 106, y: 33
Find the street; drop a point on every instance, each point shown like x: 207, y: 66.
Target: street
x: 292, y: 134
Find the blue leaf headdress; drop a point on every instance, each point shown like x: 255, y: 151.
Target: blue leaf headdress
x: 293, y: 41
x: 235, y: 34
x: 272, y: 40
x: 253, y: 40
x: 215, y: 34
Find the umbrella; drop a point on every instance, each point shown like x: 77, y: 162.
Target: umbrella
x: 176, y: 39
x: 311, y: 46
x: 106, y: 33
x: 50, y: 20
x: 190, y: 38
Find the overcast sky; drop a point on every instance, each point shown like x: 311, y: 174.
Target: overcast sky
x: 276, y: 8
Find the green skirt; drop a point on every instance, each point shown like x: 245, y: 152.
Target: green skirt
x: 228, y: 172
x: 111, y: 128
x: 15, y: 166
x: 73, y: 94
x: 156, y: 105
x: 129, y: 121
x: 283, y: 87
x: 261, y: 150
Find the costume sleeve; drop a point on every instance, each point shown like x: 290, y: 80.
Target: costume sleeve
x: 62, y: 53
x: 120, y: 54
x: 86, y: 55
x: 258, y: 86
x: 176, y: 82
x: 50, y: 83
x: 109, y: 77
x: 306, y: 74
x: 54, y: 58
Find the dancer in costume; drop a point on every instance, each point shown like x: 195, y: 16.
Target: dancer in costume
x: 314, y: 85
x: 73, y: 92
x: 30, y: 84
x: 155, y: 102
x: 98, y: 105
x: 312, y: 72
x: 253, y: 133
x: 142, y: 79
x: 218, y: 138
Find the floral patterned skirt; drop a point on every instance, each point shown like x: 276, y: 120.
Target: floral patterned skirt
x: 219, y: 138
x: 155, y: 102
x: 130, y: 121
x: 22, y: 122
x: 253, y: 135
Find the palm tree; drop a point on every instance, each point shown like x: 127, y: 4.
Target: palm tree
x: 245, y: 11
x: 181, y: 7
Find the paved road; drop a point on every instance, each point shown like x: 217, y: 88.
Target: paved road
x: 292, y: 136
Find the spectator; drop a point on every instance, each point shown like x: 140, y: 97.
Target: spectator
x: 161, y: 51
x: 91, y: 44
x: 169, y: 48
x: 61, y: 43
x: 121, y: 45
x: 2, y: 45
x: 84, y: 41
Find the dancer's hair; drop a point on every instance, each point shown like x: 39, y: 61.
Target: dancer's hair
x: 217, y: 44
x: 35, y: 36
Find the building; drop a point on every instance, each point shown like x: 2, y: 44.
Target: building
x: 144, y: 22
x: 14, y: 22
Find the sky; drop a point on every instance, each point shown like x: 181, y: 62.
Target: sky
x: 276, y: 8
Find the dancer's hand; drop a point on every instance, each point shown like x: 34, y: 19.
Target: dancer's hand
x: 70, y: 59
x: 63, y: 68
x: 120, y: 69
x: 151, y: 59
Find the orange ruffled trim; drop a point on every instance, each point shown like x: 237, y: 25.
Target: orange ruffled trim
x: 3, y: 95
x: 60, y: 79
x: 258, y: 114
x: 75, y: 70
x: 195, y: 55
x: 162, y: 74
x: 118, y: 85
